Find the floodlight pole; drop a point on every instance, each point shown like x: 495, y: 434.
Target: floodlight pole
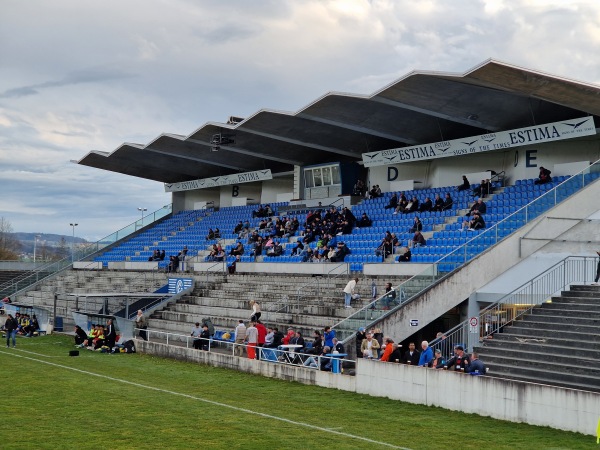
x: 142, y: 211
x: 37, y: 236
x: 73, y: 225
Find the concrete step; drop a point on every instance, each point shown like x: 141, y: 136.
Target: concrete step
x: 548, y: 310
x: 542, y: 333
x: 556, y: 371
x: 541, y: 377
x: 569, y: 306
x: 561, y: 320
x: 514, y: 338
x: 547, y: 355
x: 582, y: 300
x: 558, y: 326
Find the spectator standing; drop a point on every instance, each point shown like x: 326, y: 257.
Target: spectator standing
x: 195, y: 333
x: 349, y: 292
x: 438, y: 360
x: 240, y: 338
x: 459, y: 362
x: 328, y: 336
x: 369, y: 347
x: 388, y: 348
x: 254, y: 311
x: 252, y: 340
x: 262, y: 337
x: 597, y: 271
x: 361, y: 335
x: 111, y: 334
x: 426, y: 355
x: 411, y: 357
x: 140, y: 322
x: 10, y: 326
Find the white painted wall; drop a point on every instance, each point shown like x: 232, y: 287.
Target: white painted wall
x: 536, y: 404
x: 278, y: 186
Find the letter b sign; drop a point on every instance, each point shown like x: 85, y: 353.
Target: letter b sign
x: 235, y: 191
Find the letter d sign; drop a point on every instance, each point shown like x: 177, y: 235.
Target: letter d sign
x: 392, y: 173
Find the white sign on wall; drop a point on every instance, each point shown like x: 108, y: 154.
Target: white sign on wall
x: 238, y: 178
x: 549, y: 132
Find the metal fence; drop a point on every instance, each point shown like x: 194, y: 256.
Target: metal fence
x: 540, y: 289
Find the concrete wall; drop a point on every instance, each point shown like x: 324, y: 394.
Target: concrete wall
x: 515, y: 401
x: 271, y: 188
x: 282, y: 371
x: 518, y: 163
x: 301, y: 268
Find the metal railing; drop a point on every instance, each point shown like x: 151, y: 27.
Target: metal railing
x: 16, y: 286
x: 313, y: 288
x: 277, y: 355
x: 540, y: 289
x: 375, y: 311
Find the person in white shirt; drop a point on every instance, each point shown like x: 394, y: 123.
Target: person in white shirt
x: 252, y: 339
x: 269, y: 337
x: 240, y: 337
x: 349, y: 292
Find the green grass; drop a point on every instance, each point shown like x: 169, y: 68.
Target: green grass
x: 46, y: 406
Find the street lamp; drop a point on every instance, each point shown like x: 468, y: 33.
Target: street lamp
x: 37, y: 236
x: 142, y: 211
x: 73, y: 225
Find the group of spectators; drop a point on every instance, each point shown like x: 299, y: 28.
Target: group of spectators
x: 373, y: 345
x: 99, y: 337
x: 400, y: 203
x: 20, y: 324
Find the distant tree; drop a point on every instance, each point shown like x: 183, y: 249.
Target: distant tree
x: 9, y: 245
x: 62, y: 250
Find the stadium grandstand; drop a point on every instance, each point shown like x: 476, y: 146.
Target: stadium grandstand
x: 271, y: 209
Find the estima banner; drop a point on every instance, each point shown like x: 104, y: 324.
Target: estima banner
x: 484, y: 143
x: 238, y: 178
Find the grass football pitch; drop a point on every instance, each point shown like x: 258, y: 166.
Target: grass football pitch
x: 123, y: 401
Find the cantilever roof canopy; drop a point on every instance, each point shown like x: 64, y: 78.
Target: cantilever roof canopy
x: 419, y: 108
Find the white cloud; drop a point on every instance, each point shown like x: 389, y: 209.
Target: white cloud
x: 78, y: 76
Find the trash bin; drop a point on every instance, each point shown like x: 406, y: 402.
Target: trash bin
x: 58, y: 323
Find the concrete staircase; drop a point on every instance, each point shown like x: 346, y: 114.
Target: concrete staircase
x: 226, y: 301
x: 557, y: 343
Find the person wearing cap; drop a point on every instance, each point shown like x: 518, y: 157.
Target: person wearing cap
x: 438, y: 360
x: 459, y: 362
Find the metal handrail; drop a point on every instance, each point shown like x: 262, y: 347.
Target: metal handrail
x: 460, y: 256
x: 519, y: 302
x: 50, y: 269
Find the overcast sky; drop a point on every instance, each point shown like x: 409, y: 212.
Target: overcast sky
x: 81, y: 75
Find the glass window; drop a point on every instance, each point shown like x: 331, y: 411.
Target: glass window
x: 317, y: 177
x: 308, y: 179
x: 326, y: 176
x: 335, y: 175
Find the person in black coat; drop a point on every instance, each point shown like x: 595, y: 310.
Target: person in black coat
x: 411, y: 356
x: 393, y: 202
x: 465, y: 184
x: 396, y: 355
x: 80, y: 335
x: 361, y: 335
x: 204, y: 337
x: 459, y: 362
x: 111, y: 334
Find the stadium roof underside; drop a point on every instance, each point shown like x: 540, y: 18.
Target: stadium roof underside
x: 419, y: 108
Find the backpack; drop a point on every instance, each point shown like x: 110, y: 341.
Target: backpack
x: 129, y: 346
x: 211, y: 328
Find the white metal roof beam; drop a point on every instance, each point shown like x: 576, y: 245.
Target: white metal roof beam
x: 191, y: 158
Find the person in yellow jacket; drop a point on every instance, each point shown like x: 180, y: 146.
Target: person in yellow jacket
x: 369, y: 347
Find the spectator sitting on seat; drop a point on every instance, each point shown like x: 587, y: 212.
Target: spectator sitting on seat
x: 32, y: 326
x: 237, y: 250
x: 417, y: 240
x: 411, y: 206
x: 417, y: 225
x: 375, y: 192
x: 308, y: 254
x: 317, y: 344
x: 459, y: 361
x: 341, y: 252
x: 465, y: 184
x: 277, y: 339
x: 262, y: 224
x: 155, y: 256
x: 91, y: 335
x: 438, y: 361
x: 386, y: 247
x: 483, y: 189
x: 402, y: 204
x: 211, y: 235
x: 369, y: 347
x: 448, y: 202
x: 220, y: 253
x: 270, y: 336
x: 476, y: 365
x: 544, y: 176
x: 238, y: 227
x: 162, y: 255
x: 217, y: 233
x: 313, y: 361
x: 393, y: 202
x: 275, y: 250
x: 364, y: 221
x: 476, y: 222
x: 260, y: 212
x: 389, y: 299
x: 204, y: 338
x: 290, y: 334
x: 426, y: 206
x: 406, y: 256
x: 478, y: 206
x: 298, y: 248
x: 438, y: 203
x: 338, y: 346
x: 195, y: 333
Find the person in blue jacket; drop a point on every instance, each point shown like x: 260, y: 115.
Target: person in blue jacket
x: 426, y: 354
x: 328, y: 335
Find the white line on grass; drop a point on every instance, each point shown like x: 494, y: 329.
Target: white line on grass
x: 211, y: 402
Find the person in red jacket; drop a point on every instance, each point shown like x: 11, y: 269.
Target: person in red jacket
x: 262, y: 334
